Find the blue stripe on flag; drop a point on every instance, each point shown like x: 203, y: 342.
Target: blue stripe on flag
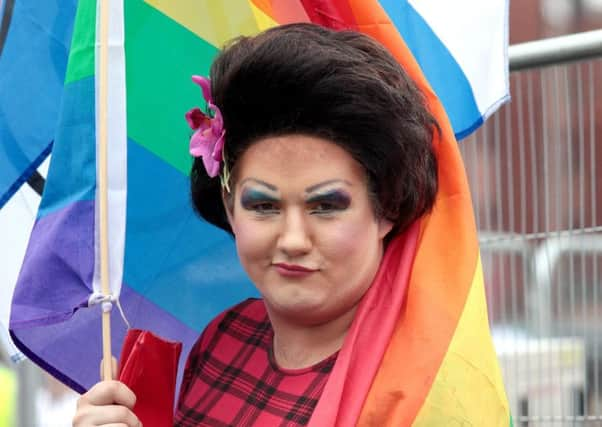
x: 184, y: 258
x: 72, y: 172
x: 438, y: 65
x: 32, y: 69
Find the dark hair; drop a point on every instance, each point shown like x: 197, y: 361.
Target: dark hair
x: 342, y: 86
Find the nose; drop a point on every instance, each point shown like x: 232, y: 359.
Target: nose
x: 294, y: 239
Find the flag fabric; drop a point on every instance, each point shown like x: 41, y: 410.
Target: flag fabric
x: 183, y: 259
x: 434, y: 363
x: 176, y: 272
x: 460, y: 47
x: 16, y: 221
x: 34, y: 45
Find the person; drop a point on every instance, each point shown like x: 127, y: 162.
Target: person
x: 315, y: 153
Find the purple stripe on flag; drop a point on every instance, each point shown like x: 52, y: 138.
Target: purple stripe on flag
x: 56, y: 276
x: 48, y: 322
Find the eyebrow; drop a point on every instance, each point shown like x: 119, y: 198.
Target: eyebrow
x: 260, y: 182
x: 309, y: 189
x: 325, y: 183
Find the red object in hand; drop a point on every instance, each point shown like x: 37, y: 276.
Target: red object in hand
x: 149, y: 366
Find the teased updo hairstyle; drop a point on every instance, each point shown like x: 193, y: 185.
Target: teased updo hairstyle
x: 338, y: 85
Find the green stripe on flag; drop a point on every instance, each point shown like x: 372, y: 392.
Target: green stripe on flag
x: 161, y: 56
x: 81, y: 55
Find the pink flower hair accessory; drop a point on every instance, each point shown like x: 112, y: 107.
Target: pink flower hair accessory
x: 208, y: 139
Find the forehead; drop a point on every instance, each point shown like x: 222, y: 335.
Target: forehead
x: 298, y: 160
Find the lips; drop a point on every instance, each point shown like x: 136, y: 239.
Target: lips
x: 293, y: 270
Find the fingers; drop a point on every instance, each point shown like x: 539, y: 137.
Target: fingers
x: 109, y: 393
x: 109, y: 415
x: 107, y: 403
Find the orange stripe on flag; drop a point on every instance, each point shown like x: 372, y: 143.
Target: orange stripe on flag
x: 282, y: 11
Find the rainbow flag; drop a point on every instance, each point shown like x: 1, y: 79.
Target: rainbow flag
x: 428, y: 361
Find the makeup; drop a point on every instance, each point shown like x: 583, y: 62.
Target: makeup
x: 253, y: 199
x: 328, y: 201
x: 293, y: 271
x: 315, y: 254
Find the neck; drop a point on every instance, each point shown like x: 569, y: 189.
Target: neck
x: 298, y: 345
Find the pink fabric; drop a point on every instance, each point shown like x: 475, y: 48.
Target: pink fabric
x: 359, y: 359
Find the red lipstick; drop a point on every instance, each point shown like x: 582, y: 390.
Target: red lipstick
x: 293, y: 270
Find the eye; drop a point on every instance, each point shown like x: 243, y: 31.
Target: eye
x: 329, y: 203
x: 264, y: 208
x: 324, y: 207
x: 259, y: 203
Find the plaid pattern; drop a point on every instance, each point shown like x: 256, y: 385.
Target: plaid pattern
x: 231, y: 378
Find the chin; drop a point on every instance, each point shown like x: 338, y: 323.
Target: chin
x: 307, y: 308
x: 297, y: 303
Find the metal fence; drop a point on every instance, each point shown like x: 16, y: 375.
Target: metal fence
x: 535, y: 180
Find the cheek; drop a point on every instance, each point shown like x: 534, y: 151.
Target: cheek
x: 349, y: 240
x: 252, y: 240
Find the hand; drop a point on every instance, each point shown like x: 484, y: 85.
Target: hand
x: 107, y: 403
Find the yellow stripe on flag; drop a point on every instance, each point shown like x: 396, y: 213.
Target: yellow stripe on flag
x: 468, y: 388
x: 263, y: 21
x: 216, y: 22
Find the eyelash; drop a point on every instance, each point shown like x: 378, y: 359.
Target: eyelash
x: 325, y: 208
x: 264, y: 208
x: 317, y: 208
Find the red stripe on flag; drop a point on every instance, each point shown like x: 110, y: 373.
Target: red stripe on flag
x: 335, y: 14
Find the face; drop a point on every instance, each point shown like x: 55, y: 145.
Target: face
x: 305, y: 228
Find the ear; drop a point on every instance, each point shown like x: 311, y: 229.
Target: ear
x: 228, y: 202
x: 384, y: 226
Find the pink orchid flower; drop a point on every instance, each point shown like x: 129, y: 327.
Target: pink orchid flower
x: 208, y: 139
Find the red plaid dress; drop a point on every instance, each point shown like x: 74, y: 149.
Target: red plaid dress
x: 231, y: 378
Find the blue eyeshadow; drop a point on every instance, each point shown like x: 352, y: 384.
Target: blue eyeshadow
x: 251, y: 196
